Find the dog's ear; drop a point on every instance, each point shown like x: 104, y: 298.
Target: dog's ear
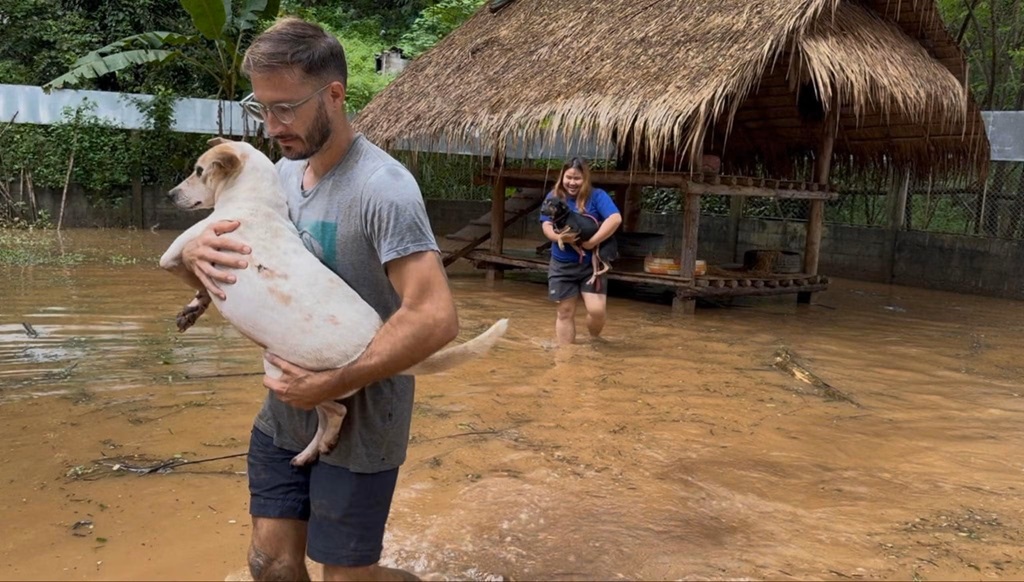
x: 224, y: 162
x: 216, y: 141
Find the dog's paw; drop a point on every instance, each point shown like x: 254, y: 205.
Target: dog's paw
x: 188, y: 316
x: 328, y: 443
x: 193, y: 311
x: 305, y: 457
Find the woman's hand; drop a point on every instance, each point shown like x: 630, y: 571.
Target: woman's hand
x: 567, y: 237
x: 589, y: 245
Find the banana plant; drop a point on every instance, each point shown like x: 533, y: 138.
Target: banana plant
x: 214, y: 50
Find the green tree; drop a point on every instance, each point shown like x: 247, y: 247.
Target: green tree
x: 216, y: 48
x: 47, y: 40
x: 435, y: 22
x: 991, y: 33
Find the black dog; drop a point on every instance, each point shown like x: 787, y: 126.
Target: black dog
x: 584, y: 226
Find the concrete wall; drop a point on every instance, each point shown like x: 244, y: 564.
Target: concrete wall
x: 939, y: 261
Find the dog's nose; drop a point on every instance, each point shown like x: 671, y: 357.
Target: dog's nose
x: 173, y: 193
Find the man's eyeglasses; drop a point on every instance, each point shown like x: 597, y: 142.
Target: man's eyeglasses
x: 284, y: 112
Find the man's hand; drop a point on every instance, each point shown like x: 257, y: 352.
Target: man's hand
x: 589, y: 245
x: 297, y: 386
x: 203, y: 254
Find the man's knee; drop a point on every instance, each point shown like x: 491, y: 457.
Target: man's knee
x: 265, y: 566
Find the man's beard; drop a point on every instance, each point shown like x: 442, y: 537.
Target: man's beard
x: 314, y: 141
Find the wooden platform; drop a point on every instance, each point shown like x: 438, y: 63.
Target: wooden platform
x: 717, y: 285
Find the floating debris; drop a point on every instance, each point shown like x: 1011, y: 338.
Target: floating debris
x: 785, y: 361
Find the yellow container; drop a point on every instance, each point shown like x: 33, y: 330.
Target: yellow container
x: 667, y: 266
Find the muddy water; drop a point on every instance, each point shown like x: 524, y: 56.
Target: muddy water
x: 674, y: 449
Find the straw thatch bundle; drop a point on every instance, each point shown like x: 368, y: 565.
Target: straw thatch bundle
x: 753, y: 80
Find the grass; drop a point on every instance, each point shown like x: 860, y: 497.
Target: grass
x: 20, y: 248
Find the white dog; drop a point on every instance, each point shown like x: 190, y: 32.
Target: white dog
x: 285, y: 288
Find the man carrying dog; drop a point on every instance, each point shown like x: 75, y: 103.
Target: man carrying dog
x: 361, y: 212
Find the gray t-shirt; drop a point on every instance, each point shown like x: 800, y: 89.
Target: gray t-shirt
x: 365, y: 212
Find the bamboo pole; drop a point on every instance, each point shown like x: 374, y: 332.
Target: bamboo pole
x: 67, y: 180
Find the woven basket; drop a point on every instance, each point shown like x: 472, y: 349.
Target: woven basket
x: 667, y: 266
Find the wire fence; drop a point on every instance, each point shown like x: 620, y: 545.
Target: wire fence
x: 993, y: 208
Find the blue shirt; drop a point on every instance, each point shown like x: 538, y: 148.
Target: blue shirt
x: 600, y: 205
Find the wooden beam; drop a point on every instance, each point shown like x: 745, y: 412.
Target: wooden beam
x: 816, y: 216
x: 688, y: 260
x: 542, y: 265
x: 757, y: 191
x: 597, y: 177
x: 497, y: 226
x: 693, y: 184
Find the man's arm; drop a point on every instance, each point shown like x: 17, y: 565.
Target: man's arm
x: 425, y: 322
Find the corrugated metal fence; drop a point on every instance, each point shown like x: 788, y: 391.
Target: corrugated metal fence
x: 31, y: 105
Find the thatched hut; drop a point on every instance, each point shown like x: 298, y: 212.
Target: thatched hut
x: 755, y: 82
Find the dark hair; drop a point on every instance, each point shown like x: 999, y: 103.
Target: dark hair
x: 293, y: 43
x: 580, y: 164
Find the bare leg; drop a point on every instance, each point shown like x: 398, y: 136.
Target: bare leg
x: 596, y: 304
x: 278, y: 549
x: 374, y: 572
x: 565, y: 321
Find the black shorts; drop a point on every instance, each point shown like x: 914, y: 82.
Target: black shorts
x: 567, y: 280
x: 346, y: 511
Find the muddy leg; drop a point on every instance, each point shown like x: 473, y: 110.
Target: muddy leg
x: 193, y: 311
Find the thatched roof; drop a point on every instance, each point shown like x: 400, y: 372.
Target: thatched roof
x: 750, y: 79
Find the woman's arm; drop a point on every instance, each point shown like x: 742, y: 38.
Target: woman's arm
x: 608, y: 228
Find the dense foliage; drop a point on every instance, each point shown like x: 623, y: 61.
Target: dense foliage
x: 172, y: 50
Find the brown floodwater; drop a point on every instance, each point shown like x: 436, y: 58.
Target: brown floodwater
x: 673, y: 449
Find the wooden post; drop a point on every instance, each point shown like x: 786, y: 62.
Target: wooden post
x: 816, y: 216
x: 497, y: 227
x: 735, y: 216
x: 631, y: 208
x: 688, y: 260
